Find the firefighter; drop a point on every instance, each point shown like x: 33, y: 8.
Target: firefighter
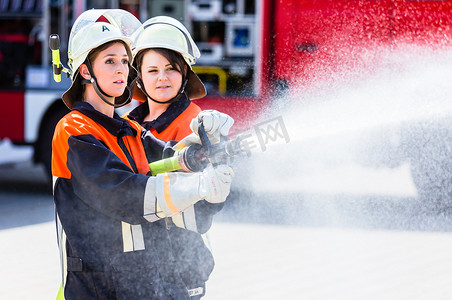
x: 111, y: 216
x: 164, y: 53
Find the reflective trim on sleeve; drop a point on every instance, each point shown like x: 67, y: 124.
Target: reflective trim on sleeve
x: 179, y: 146
x: 151, y: 217
x: 196, y: 292
x: 176, y: 192
x: 61, y: 236
x: 167, y: 194
x: 186, y: 219
x: 54, y: 181
x: 178, y: 220
x: 190, y: 219
x: 150, y: 201
x: 206, y: 239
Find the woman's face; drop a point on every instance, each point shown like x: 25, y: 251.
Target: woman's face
x: 162, y: 81
x: 111, y: 69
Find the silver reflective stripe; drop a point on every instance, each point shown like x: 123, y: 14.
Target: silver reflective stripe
x: 150, y: 201
x: 206, y: 239
x: 127, y: 240
x: 186, y: 220
x: 132, y: 237
x: 54, y: 181
x: 178, y: 220
x: 138, y: 239
x: 195, y: 292
x: 61, y: 236
x: 190, y: 219
x: 151, y: 218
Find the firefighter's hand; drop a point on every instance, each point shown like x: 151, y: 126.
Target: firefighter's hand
x: 216, y: 183
x: 176, y: 191
x: 216, y: 124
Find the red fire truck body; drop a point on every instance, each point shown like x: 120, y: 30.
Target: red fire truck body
x: 257, y: 49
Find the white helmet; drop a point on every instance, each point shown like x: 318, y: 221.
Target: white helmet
x: 168, y: 33
x: 92, y: 29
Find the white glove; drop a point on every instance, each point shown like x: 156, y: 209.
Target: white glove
x: 216, y: 183
x: 177, y: 191
x: 216, y: 124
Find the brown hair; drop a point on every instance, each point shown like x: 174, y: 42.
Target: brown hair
x: 174, y: 58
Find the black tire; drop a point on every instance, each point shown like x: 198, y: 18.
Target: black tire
x: 429, y: 151
x: 43, y: 147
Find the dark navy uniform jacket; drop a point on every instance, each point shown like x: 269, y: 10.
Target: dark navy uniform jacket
x: 189, y: 246
x: 109, y: 248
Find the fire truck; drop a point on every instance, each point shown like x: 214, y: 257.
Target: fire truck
x: 252, y: 52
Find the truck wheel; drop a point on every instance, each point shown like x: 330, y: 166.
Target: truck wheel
x: 43, y: 148
x: 431, y: 164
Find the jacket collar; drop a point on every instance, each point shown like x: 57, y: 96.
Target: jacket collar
x: 117, y: 126
x: 165, y: 119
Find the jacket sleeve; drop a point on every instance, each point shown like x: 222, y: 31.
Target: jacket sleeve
x: 198, y: 217
x: 105, y: 183
x: 156, y: 149
x: 108, y: 185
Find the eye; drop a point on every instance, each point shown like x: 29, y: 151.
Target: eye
x: 109, y: 61
x: 125, y: 61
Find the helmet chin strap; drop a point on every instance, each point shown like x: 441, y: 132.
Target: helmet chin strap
x: 140, y: 85
x: 99, y: 91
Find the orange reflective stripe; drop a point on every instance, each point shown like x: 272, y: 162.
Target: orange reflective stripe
x: 167, y: 195
x: 180, y: 145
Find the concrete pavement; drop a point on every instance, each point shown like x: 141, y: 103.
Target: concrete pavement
x: 281, y: 262
x: 29, y: 262
x: 269, y: 262
x: 341, y: 249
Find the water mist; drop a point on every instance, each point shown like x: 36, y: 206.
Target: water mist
x: 385, y: 131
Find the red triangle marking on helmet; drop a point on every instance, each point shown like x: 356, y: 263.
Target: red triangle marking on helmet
x: 102, y: 19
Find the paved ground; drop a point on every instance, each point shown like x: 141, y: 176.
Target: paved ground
x: 339, y: 249
x: 29, y: 262
x: 270, y: 262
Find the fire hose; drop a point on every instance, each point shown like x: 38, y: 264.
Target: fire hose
x: 196, y: 157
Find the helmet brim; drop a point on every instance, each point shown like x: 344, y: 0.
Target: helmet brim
x: 195, y: 88
x: 74, y: 93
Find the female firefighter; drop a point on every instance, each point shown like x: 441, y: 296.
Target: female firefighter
x: 164, y: 52
x: 111, y: 215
